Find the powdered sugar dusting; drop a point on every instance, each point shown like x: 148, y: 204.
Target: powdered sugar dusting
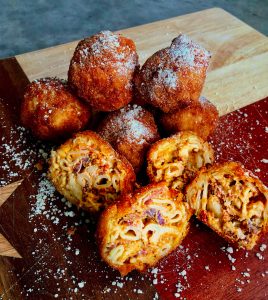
x: 106, y: 41
x: 168, y: 77
x: 18, y: 156
x: 107, y: 51
x: 186, y: 52
x: 127, y: 125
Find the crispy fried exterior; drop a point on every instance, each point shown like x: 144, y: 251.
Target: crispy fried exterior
x: 174, y: 76
x: 88, y: 172
x: 176, y: 159
x: 200, y: 117
x: 130, y: 130
x: 142, y: 228
x: 102, y: 70
x: 231, y: 201
x: 51, y: 111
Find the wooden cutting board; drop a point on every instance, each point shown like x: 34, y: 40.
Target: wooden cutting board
x: 56, y: 242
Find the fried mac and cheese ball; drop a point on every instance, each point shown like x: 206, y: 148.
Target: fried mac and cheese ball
x: 177, y: 159
x: 142, y: 228
x: 231, y: 201
x: 174, y: 76
x: 51, y: 111
x: 102, y: 70
x: 130, y: 130
x: 88, y: 172
x: 200, y: 117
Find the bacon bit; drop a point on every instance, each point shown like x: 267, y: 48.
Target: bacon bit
x: 142, y: 252
x: 82, y: 163
x: 85, y: 160
x: 77, y: 167
x: 148, y: 202
x: 203, y: 216
x: 71, y: 231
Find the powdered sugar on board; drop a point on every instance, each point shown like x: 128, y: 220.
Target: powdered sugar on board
x: 190, y: 271
x: 19, y: 151
x: 242, y: 136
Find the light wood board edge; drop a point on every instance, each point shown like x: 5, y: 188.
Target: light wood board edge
x: 6, y: 248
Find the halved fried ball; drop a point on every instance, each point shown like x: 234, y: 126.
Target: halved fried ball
x: 130, y: 130
x: 231, y: 201
x: 51, y: 110
x: 141, y: 228
x: 177, y: 159
x: 174, y: 76
x: 102, y: 69
x: 88, y: 172
x: 200, y: 117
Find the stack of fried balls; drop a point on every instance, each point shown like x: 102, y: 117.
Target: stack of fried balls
x: 116, y: 122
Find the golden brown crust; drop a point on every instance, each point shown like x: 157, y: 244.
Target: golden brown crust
x: 231, y: 201
x: 174, y: 76
x: 89, y: 172
x: 102, y: 70
x: 141, y: 228
x: 130, y: 131
x: 176, y: 159
x: 200, y: 117
x: 51, y: 111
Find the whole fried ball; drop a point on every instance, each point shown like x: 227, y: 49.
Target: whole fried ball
x: 130, y: 130
x: 102, y: 70
x: 174, y: 76
x: 51, y: 111
x: 200, y: 117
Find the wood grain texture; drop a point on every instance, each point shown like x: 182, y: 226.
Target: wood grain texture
x: 6, y: 191
x: 238, y: 72
x: 48, y: 240
x: 6, y: 248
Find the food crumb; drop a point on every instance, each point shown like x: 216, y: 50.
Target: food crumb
x: 230, y: 250
x: 81, y: 284
x: 263, y: 247
x: 260, y: 257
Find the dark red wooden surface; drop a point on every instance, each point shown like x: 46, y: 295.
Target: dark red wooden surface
x: 57, y: 241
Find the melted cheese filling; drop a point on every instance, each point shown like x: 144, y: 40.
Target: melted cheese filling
x: 177, y: 162
x: 234, y: 207
x: 85, y: 175
x: 150, y: 232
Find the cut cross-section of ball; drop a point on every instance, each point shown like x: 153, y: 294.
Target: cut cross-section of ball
x: 89, y: 172
x: 141, y: 228
x: 177, y: 159
x: 232, y: 201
